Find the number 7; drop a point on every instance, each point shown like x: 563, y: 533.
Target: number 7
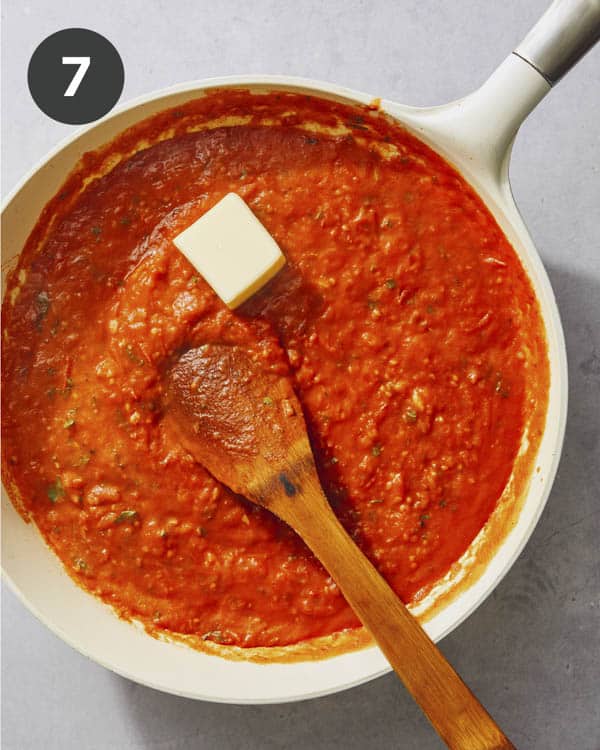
x: 84, y: 64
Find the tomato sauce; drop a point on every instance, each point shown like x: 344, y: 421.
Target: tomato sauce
x: 410, y: 328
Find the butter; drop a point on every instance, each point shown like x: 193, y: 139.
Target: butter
x: 232, y: 250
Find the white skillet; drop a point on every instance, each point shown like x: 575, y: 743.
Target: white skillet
x: 475, y: 134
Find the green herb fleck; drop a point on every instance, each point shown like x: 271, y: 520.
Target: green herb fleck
x: 410, y: 415
x: 391, y: 283
x: 268, y: 401
x: 423, y: 520
x: 126, y: 515
x: 376, y: 450
x: 357, y: 122
x: 55, y: 490
x: 213, y: 635
x: 42, y: 305
x: 96, y: 231
x: 501, y: 388
x: 130, y: 352
x: 442, y: 503
x: 70, y: 419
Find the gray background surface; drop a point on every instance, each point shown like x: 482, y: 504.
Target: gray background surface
x: 532, y: 651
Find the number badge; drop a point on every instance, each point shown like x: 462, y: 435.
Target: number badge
x: 76, y: 76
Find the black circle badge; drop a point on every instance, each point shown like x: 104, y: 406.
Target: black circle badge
x: 75, y: 76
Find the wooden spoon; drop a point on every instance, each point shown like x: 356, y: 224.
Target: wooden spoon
x: 244, y: 423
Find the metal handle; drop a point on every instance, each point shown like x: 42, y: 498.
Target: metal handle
x: 562, y: 36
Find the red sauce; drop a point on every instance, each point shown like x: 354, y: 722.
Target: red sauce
x: 410, y: 328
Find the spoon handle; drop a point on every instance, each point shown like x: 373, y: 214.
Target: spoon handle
x: 458, y: 717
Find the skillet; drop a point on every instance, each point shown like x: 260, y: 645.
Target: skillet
x: 475, y: 135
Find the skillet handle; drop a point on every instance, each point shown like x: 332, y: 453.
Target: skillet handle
x: 562, y: 36
x: 478, y: 131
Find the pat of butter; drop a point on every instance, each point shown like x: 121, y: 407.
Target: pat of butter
x: 232, y: 250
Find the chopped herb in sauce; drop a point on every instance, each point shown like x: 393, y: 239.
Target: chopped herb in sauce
x: 70, y: 418
x: 127, y: 515
x: 42, y: 305
x: 376, y: 450
x: 268, y: 401
x: 133, y: 356
x: 214, y: 635
x: 410, y: 415
x: 96, y: 231
x: 55, y: 490
x: 390, y: 283
x: 357, y: 122
x: 500, y: 387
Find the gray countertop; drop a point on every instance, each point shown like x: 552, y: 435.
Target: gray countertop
x: 532, y: 651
